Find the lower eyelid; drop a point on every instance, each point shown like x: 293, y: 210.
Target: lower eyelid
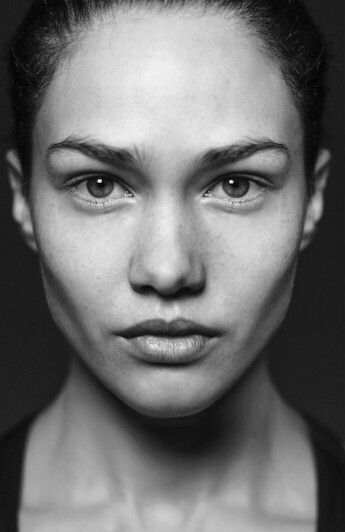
x: 102, y: 206
x: 78, y: 181
x: 86, y: 197
x: 254, y: 198
x: 238, y: 202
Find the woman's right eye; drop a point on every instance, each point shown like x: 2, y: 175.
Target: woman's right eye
x: 100, y: 188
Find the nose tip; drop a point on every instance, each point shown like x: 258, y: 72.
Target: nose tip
x: 166, y: 260
x: 167, y: 277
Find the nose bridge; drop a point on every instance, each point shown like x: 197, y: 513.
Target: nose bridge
x: 167, y: 229
x: 166, y: 257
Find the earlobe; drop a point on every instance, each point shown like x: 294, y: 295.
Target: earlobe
x: 315, y: 205
x: 20, y: 205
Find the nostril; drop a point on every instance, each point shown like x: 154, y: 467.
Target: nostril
x: 170, y: 293
x: 181, y: 279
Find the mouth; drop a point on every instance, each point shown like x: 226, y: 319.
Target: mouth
x: 168, y: 343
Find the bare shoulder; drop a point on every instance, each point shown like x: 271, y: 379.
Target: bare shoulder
x: 291, y: 480
x: 41, y: 451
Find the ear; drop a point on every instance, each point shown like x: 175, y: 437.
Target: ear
x: 316, y: 200
x: 20, y: 206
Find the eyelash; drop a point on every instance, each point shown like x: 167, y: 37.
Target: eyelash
x: 104, y: 203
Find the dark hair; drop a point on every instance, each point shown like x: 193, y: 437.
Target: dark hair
x: 286, y: 32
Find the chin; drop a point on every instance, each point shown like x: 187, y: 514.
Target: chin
x: 165, y: 409
x: 168, y: 396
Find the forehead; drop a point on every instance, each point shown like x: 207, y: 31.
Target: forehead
x: 169, y: 79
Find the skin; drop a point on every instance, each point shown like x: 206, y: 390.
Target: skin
x: 168, y: 447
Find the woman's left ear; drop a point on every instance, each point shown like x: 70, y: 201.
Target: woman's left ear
x: 315, y: 204
x: 20, y: 204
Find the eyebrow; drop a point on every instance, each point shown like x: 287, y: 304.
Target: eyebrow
x: 133, y: 156
x: 99, y: 151
x: 238, y: 152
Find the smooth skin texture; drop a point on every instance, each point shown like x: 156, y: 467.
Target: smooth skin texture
x: 135, y: 446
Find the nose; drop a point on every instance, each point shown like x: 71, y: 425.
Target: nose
x: 166, y: 259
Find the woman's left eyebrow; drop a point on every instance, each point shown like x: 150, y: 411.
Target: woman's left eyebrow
x: 240, y: 151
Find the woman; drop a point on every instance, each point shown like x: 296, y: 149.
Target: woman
x: 168, y: 173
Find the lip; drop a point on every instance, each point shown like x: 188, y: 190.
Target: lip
x: 177, y: 327
x: 173, y: 342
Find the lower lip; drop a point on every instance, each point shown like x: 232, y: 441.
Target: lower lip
x: 169, y: 349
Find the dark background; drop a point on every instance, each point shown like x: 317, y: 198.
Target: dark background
x: 307, y: 354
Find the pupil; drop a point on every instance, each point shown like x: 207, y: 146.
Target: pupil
x: 236, y: 187
x: 100, y: 187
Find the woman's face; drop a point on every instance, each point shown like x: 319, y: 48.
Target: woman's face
x: 168, y: 183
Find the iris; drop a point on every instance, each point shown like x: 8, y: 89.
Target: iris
x: 236, y: 187
x: 100, y: 187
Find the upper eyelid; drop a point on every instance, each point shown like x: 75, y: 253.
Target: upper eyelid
x: 86, y: 168
x: 79, y: 178
x: 250, y: 177
x: 85, y: 177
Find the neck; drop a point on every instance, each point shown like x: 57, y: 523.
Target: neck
x: 206, y: 445
x: 242, y: 450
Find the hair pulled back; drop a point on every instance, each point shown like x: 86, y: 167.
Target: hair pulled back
x: 286, y: 31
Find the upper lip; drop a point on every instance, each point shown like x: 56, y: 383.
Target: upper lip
x: 159, y: 327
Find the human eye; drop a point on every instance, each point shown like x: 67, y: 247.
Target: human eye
x: 99, y: 190
x: 236, y: 190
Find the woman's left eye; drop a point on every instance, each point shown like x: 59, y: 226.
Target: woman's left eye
x: 235, y: 188
x: 100, y: 188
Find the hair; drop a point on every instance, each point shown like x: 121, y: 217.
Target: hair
x: 285, y: 30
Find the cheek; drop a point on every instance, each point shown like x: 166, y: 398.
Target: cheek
x: 83, y: 264
x: 257, y: 255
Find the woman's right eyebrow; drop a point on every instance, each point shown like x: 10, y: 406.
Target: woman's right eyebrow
x: 103, y: 153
